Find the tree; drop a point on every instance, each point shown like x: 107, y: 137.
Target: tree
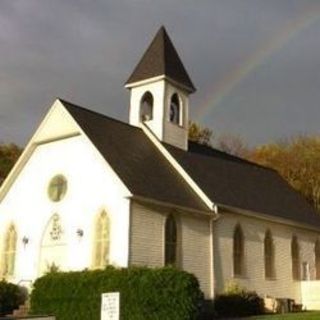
x: 228, y: 143
x: 233, y: 145
x: 9, y: 153
x: 297, y: 160
x: 199, y: 134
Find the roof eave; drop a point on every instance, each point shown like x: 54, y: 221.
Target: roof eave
x: 171, y: 205
x: 266, y: 217
x: 189, y: 89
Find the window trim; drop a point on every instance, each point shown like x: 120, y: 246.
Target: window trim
x: 146, y: 95
x: 317, y: 259
x: 10, y: 251
x: 180, y: 121
x: 62, y: 193
x: 100, y: 263
x: 295, y: 259
x: 174, y: 243
x: 269, y: 257
x: 238, y: 256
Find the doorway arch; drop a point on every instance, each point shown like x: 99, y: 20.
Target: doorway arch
x: 53, y: 248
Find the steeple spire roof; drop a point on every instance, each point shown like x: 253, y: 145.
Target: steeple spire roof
x: 161, y: 58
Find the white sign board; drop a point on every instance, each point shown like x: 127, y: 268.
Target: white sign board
x: 110, y: 306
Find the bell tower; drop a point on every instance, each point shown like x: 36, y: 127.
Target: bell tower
x: 159, y: 92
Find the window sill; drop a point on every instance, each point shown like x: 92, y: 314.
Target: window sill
x: 240, y: 277
x: 176, y: 124
x: 270, y: 278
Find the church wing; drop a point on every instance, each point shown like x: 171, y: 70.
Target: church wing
x: 236, y: 184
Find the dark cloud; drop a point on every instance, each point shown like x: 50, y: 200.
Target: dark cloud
x: 84, y: 51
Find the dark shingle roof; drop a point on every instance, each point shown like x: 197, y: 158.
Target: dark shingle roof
x: 135, y: 159
x: 231, y: 181
x: 225, y: 179
x: 161, y: 58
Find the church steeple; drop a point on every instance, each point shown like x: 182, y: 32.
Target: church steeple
x: 160, y: 86
x: 161, y: 59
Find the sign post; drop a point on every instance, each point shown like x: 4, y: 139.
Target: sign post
x: 110, y: 306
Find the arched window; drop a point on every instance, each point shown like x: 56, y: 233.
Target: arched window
x: 175, y: 109
x: 171, y: 238
x: 238, y: 251
x: 317, y: 259
x: 102, y: 241
x: 9, y: 253
x: 295, y: 256
x: 146, y: 107
x: 268, y: 256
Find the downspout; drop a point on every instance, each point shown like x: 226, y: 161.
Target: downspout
x: 213, y: 219
x: 129, y: 234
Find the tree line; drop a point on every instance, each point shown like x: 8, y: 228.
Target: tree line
x: 9, y: 154
x: 297, y: 159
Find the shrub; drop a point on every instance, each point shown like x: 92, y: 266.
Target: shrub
x: 232, y: 287
x: 238, y: 304
x: 164, y: 293
x: 11, y: 296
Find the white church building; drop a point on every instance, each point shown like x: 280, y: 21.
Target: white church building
x: 90, y: 191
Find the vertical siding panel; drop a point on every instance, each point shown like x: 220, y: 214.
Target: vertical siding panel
x: 146, y: 247
x: 196, y: 249
x: 254, y: 231
x: 147, y: 242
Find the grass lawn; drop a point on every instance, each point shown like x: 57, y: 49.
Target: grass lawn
x: 288, y: 316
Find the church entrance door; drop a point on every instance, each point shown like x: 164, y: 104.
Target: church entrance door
x: 53, y: 247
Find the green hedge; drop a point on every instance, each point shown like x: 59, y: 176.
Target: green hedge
x: 164, y: 293
x: 11, y: 296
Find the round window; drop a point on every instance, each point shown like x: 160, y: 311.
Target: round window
x: 57, y: 188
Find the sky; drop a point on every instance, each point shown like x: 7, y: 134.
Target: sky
x: 255, y: 63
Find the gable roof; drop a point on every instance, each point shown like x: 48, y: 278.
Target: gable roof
x: 135, y: 159
x: 238, y: 183
x: 227, y: 180
x: 161, y: 58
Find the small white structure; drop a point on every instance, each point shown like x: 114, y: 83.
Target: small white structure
x: 89, y: 191
x: 110, y: 306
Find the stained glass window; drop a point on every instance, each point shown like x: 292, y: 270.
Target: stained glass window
x: 269, y: 256
x: 170, y: 241
x: 57, y: 188
x: 238, y: 251
x: 9, y: 251
x: 102, y: 241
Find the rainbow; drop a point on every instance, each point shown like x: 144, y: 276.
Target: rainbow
x: 216, y: 94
